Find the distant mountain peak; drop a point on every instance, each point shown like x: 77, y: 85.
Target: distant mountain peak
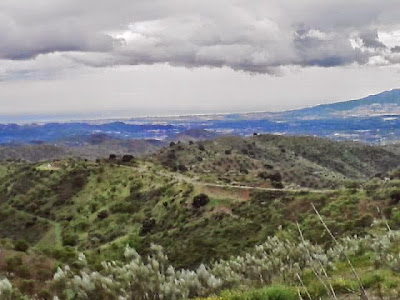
x: 384, y: 103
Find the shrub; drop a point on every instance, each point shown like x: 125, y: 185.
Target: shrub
x: 70, y: 239
x: 243, y: 170
x: 23, y: 271
x: 372, y: 186
x: 272, y: 176
x: 351, y: 184
x: 276, y: 260
x: 123, y: 207
x: 21, y: 245
x: 65, y: 254
x: 200, y: 200
x: 274, y: 293
x: 182, y: 168
x: 27, y: 286
x: 394, y: 196
x: 127, y: 158
x: 395, y: 174
x: 270, y: 293
x: 45, y: 294
x: 147, y: 226
x: 277, y: 185
x: 103, y: 214
x: 6, y: 289
x: 79, y: 181
x: 13, y: 262
x: 365, y: 221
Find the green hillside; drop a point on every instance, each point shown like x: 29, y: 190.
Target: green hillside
x: 300, y: 161
x: 200, y: 211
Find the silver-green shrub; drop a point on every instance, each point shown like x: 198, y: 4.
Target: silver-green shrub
x: 6, y: 289
x: 154, y: 278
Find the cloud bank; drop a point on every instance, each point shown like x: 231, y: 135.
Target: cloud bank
x: 251, y: 36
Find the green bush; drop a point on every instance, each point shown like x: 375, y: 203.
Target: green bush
x: 23, y: 271
x: 70, y: 239
x: 395, y: 218
x: 64, y: 254
x: 394, y: 196
x: 395, y: 174
x: 27, y: 286
x: 276, y: 292
x: 352, y: 184
x: 45, y: 294
x: 200, y: 200
x: 21, y: 245
x: 13, y: 262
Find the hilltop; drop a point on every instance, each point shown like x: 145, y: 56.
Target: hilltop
x: 85, y: 147
x: 296, y: 161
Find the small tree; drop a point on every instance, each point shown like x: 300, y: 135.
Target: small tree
x: 127, y: 158
x: 200, y: 200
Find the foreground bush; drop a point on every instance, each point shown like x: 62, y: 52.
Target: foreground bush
x: 277, y: 260
x: 6, y: 289
x: 268, y: 293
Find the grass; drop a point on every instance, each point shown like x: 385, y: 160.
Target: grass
x: 52, y: 238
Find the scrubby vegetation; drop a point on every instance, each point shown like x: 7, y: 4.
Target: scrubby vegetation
x: 300, y: 268
x: 232, y: 216
x: 265, y: 160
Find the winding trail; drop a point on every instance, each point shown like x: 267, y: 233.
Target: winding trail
x: 247, y: 187
x: 181, y: 177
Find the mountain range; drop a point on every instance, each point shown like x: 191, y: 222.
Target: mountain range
x: 374, y: 120
x: 385, y: 103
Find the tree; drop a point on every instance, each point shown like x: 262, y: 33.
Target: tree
x: 127, y: 158
x: 200, y: 200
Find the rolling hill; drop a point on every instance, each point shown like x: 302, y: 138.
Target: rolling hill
x: 84, y: 147
x: 299, y: 161
x: 209, y: 211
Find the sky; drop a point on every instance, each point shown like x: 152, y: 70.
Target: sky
x: 123, y: 58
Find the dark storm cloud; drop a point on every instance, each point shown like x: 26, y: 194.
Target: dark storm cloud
x: 316, y: 48
x: 370, y: 39
x: 395, y: 49
x: 255, y: 37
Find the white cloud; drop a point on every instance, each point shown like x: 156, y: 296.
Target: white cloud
x: 259, y: 37
x: 173, y: 56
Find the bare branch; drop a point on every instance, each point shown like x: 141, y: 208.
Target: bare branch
x: 329, y: 290
x: 363, y: 293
